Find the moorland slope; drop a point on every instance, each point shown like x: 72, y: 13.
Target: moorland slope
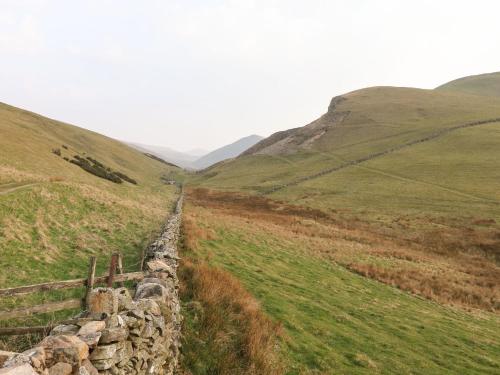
x: 482, y: 84
x: 340, y: 228
x: 404, y: 138
x: 67, y: 193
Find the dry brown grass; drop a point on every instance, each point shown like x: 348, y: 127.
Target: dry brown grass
x: 439, y: 235
x: 154, y: 204
x: 440, y: 259
x: 56, y: 179
x: 193, y: 232
x: 10, y: 174
x: 228, y: 323
x: 20, y: 343
x: 435, y: 287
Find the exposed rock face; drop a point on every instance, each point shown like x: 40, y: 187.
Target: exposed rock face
x: 21, y: 369
x: 335, y: 102
x: 118, y: 334
x: 5, y: 356
x: 304, y: 138
x: 61, y: 368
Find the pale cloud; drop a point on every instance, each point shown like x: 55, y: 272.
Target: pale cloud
x: 246, y: 31
x: 73, y: 50
x: 20, y: 34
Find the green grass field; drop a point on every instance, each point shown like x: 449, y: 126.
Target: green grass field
x: 337, y: 322
x: 54, y: 215
x: 423, y: 219
x: 454, y: 174
x: 483, y: 84
x: 450, y: 175
x: 420, y: 221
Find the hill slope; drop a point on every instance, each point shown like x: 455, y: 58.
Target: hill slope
x: 370, y: 124
x: 226, y: 152
x: 482, y: 84
x: 397, y: 185
x: 180, y: 159
x: 54, y: 214
x: 299, y: 265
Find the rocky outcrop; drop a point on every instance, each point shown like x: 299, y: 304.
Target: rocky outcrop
x: 304, y: 138
x: 118, y: 334
x: 335, y: 102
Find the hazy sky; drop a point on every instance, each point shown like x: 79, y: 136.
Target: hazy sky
x: 188, y: 73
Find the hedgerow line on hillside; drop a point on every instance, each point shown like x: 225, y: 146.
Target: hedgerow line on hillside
x: 381, y: 153
x: 93, y: 166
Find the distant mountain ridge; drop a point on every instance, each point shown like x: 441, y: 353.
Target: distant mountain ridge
x: 192, y: 159
x: 360, y: 142
x: 181, y: 159
x: 198, y: 152
x: 227, y: 152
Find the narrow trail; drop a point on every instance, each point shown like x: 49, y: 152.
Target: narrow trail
x: 12, y: 187
x: 351, y: 163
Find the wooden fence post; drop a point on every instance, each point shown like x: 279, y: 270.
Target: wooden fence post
x: 143, y: 257
x: 90, y: 280
x: 120, y: 268
x: 112, y: 269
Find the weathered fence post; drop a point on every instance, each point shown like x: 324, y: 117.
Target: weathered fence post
x: 143, y: 257
x: 112, y: 269
x: 90, y: 279
x: 120, y: 268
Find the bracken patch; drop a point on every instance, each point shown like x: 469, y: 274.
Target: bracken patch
x: 225, y: 331
x: 441, y: 260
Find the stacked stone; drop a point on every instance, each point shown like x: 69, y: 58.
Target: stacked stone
x: 63, y: 354
x: 161, y: 266
x: 118, y: 335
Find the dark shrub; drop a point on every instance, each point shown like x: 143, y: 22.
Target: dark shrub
x: 96, y: 169
x: 97, y: 163
x: 123, y: 176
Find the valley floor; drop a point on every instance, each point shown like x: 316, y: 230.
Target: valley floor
x: 340, y: 289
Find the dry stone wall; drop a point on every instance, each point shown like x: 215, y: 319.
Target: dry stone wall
x: 118, y: 333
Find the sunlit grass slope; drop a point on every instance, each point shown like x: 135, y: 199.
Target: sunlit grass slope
x: 54, y: 215
x: 456, y: 175
x: 409, y: 181
x: 380, y: 119
x: 335, y: 321
x: 482, y: 84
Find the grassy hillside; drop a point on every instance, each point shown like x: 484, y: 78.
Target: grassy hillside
x: 455, y: 175
x: 389, y: 259
x: 401, y: 164
x: 299, y: 263
x: 482, y: 84
x: 372, y: 159
x: 54, y: 215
